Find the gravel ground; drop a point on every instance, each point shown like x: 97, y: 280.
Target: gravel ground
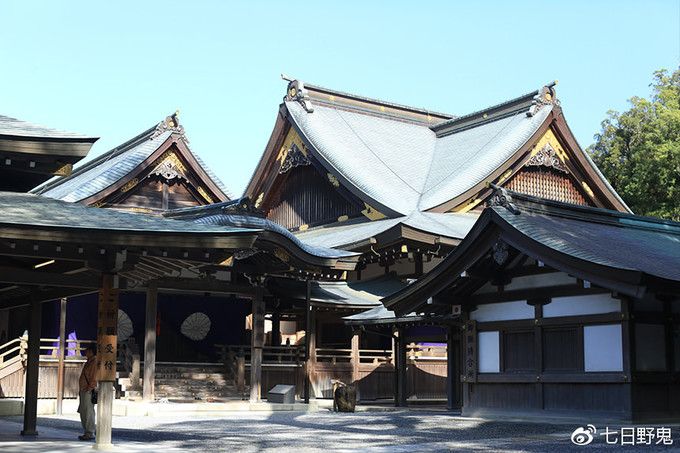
x: 397, y: 431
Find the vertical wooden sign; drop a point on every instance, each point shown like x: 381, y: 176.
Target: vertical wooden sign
x: 470, y: 341
x: 107, y: 331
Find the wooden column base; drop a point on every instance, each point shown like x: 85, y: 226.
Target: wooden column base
x: 104, y: 415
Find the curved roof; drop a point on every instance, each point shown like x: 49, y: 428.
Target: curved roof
x: 98, y: 174
x: 238, y: 214
x: 28, y: 210
x: 351, y: 233
x: 406, y: 166
x: 618, y: 251
x: 18, y: 128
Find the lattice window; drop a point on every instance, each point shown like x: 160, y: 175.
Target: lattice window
x: 547, y: 183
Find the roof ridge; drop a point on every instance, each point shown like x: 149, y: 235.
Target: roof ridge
x: 366, y: 99
x: 543, y: 95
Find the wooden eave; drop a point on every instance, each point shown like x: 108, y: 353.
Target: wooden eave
x: 131, y: 238
x: 264, y: 174
x: 269, y: 240
x: 490, y: 228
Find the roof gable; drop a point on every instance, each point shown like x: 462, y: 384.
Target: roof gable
x: 94, y: 181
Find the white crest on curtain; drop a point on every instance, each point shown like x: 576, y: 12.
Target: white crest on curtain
x: 125, y: 329
x: 196, y: 326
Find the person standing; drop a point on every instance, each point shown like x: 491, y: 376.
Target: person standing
x: 87, y: 384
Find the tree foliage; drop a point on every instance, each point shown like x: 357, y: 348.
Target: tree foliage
x: 639, y: 150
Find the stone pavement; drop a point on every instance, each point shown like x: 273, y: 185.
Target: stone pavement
x: 394, y: 431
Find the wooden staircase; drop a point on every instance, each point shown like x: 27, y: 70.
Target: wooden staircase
x: 194, y: 382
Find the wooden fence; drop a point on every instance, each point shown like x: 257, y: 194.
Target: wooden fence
x: 13, y: 357
x: 372, y: 370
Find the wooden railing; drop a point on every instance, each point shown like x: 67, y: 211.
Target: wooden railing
x: 333, y: 355
x: 73, y: 349
x: 13, y: 349
x: 415, y: 352
x: 375, y: 356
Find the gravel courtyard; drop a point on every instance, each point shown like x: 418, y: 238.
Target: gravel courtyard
x: 394, y: 431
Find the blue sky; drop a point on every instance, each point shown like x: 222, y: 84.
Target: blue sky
x: 114, y: 69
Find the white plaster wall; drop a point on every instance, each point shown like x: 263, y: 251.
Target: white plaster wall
x: 488, y: 352
x: 590, y: 304
x: 602, y: 348
x: 503, y: 311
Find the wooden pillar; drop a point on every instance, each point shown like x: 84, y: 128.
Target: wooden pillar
x: 355, y: 356
x: 62, y: 347
x: 107, y: 349
x: 356, y: 361
x: 148, y: 392
x: 538, y: 349
x: 276, y: 328
x: 256, y: 344
x: 628, y: 347
x: 310, y: 343
x: 451, y: 387
x: 418, y: 258
x: 32, y: 371
x: 400, y: 363
x: 4, y: 326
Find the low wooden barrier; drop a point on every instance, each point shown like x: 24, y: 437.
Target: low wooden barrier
x: 13, y: 357
x: 371, y: 369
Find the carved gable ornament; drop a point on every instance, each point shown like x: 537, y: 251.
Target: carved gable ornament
x: 294, y: 158
x: 170, y: 168
x: 547, y: 157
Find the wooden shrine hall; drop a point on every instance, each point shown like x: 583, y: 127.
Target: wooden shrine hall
x: 52, y: 249
x: 557, y: 309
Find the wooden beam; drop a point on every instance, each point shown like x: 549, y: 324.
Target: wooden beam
x: 533, y: 293
x: 32, y: 371
x: 18, y: 276
x: 148, y: 393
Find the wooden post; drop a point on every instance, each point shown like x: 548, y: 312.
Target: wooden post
x: 450, y: 369
x: 60, y: 367
x: 400, y: 370
x: 276, y: 328
x: 107, y: 345
x: 256, y: 344
x: 355, y: 361
x: 148, y: 391
x: 241, y: 374
x: 32, y: 370
x: 310, y: 344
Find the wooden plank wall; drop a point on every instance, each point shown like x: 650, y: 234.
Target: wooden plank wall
x: 12, y: 386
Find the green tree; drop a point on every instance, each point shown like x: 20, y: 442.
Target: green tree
x: 639, y: 150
